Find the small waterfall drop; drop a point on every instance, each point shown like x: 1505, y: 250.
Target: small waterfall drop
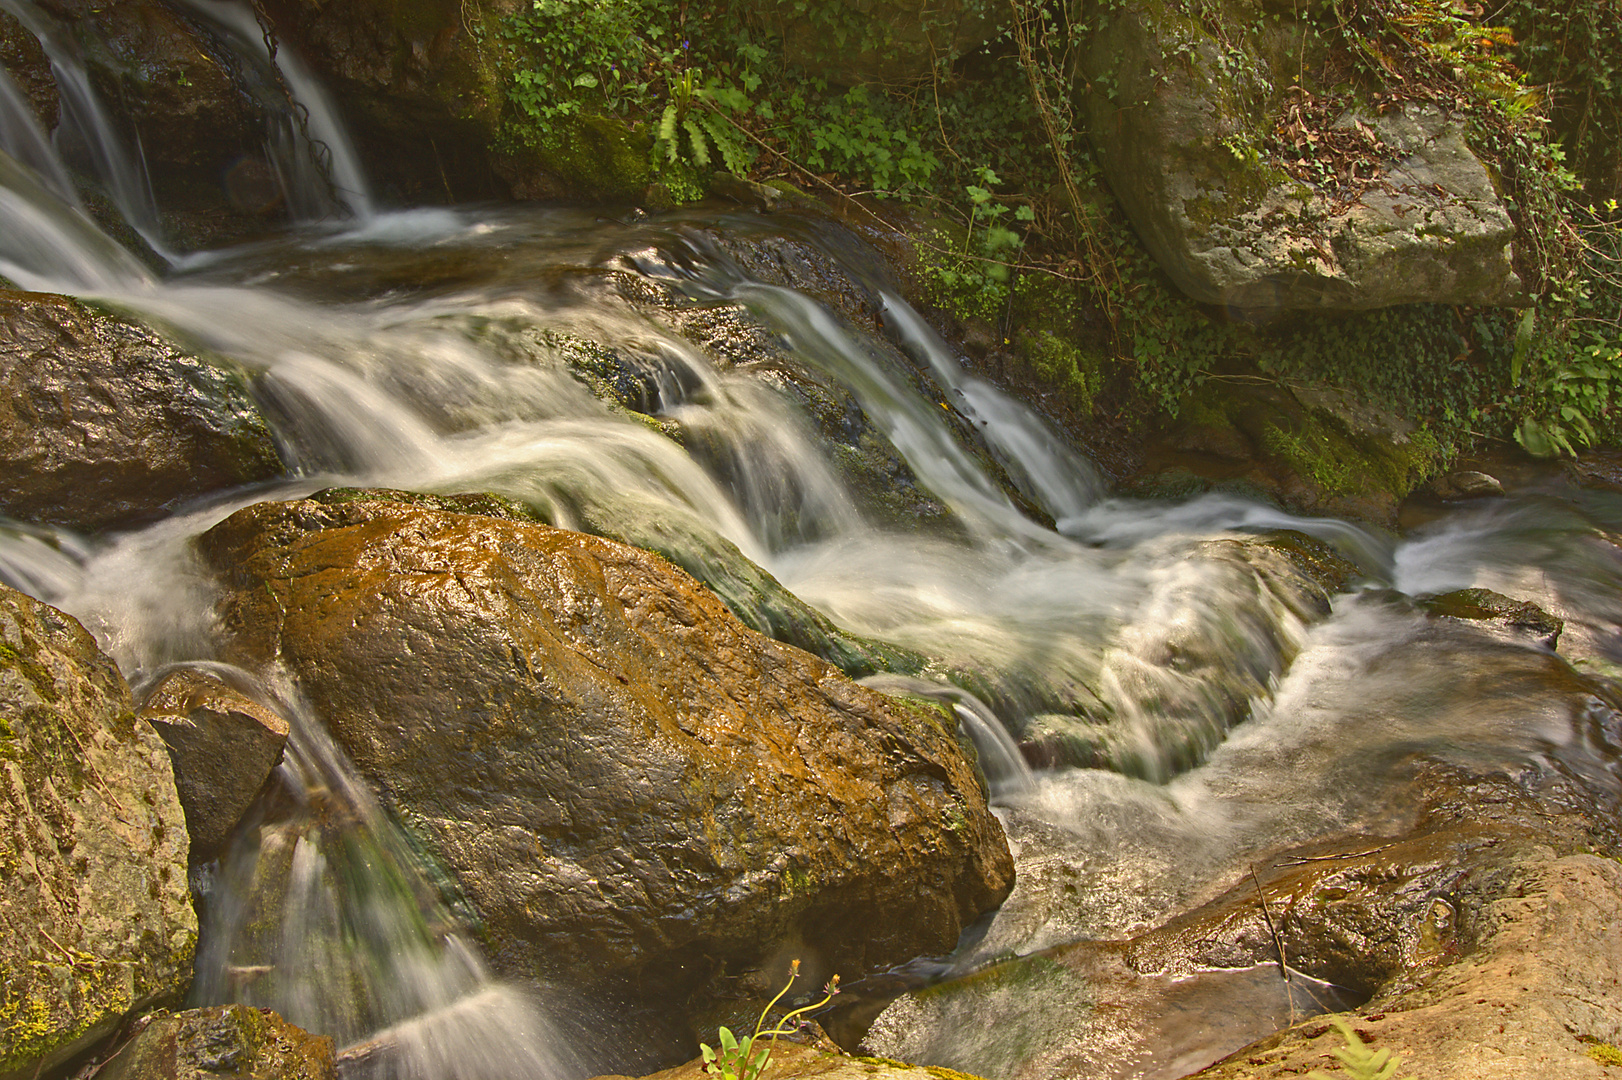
x: 22, y: 138
x: 320, y: 910
x: 315, y: 160
x: 86, y: 122
x: 1061, y: 481
x: 1004, y: 766
x: 50, y: 245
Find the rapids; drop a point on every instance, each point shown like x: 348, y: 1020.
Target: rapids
x: 442, y: 350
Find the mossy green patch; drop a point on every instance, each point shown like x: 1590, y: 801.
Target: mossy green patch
x: 1606, y: 1054
x: 594, y: 156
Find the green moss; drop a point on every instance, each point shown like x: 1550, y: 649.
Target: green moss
x: 1074, y: 374
x: 481, y: 503
x: 1320, y: 561
x: 797, y: 882
x: 1314, y: 456
x: 598, y: 157
x: 1605, y: 1054
x: 27, y: 1029
x: 1320, y: 451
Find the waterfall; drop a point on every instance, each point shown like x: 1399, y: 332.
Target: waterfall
x: 321, y: 911
x: 315, y: 159
x: 85, y: 122
x: 21, y: 137
x: 48, y: 244
x: 1192, y: 711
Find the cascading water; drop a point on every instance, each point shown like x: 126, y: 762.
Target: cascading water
x: 1137, y: 632
x: 21, y: 137
x: 315, y: 161
x: 86, y: 123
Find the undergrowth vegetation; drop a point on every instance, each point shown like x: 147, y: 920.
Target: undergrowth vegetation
x: 982, y: 153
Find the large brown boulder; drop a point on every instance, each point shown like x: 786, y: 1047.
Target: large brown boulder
x: 96, y: 920
x: 104, y: 423
x: 623, y: 779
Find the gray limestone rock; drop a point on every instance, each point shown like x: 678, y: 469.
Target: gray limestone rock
x: 1180, y: 122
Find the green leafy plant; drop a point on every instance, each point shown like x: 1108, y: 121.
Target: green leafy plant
x: 697, y: 110
x: 737, y: 1059
x: 1361, y: 1062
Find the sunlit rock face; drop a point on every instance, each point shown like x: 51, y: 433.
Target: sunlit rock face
x: 1181, y: 122
x: 622, y: 778
x: 105, y: 423
x: 95, y: 918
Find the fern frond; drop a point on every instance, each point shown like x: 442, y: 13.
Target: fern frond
x: 733, y: 152
x: 695, y: 134
x: 1361, y: 1062
x: 667, y: 131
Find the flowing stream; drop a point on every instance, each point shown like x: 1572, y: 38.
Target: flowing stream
x: 1201, y: 711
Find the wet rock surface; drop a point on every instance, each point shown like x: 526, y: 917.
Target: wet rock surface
x: 1484, y: 913
x: 622, y: 779
x: 104, y: 423
x: 96, y: 921
x: 223, y: 1040
x: 1537, y: 993
x: 1521, y: 617
x: 223, y: 746
x: 1412, y: 911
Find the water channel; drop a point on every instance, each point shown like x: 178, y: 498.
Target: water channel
x: 1205, y: 714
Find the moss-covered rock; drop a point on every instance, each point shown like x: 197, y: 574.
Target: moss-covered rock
x: 96, y: 919
x: 1485, y: 606
x: 591, y: 156
x: 1311, y: 447
x: 1179, y: 105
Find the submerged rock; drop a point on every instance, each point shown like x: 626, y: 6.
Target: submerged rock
x: 625, y: 782
x: 223, y: 746
x: 104, y: 423
x: 1467, y: 484
x: 223, y: 1040
x: 1520, y: 617
x: 96, y: 921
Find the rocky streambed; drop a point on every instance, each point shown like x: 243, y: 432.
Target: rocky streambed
x: 431, y: 641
